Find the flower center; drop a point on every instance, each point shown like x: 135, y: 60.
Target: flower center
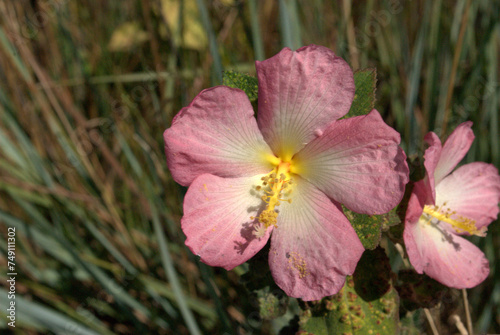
x: 461, y: 224
x: 276, y: 188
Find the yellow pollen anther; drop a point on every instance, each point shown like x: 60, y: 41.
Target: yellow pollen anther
x: 460, y: 224
x: 298, y: 263
x: 274, y: 193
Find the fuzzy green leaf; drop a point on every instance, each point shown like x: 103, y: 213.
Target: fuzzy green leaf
x: 364, y: 98
x: 244, y: 82
x: 354, y: 310
x: 369, y: 227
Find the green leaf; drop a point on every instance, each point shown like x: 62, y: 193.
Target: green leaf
x: 369, y: 227
x: 244, y: 82
x: 354, y: 310
x: 347, y: 313
x: 42, y: 317
x: 364, y: 97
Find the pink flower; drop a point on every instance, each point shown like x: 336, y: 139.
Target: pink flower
x: 444, y: 206
x: 286, y: 172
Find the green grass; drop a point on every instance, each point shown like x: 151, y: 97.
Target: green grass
x: 83, y: 176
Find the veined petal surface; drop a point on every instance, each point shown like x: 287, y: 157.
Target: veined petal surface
x: 431, y: 160
x: 454, y: 150
x: 435, y: 250
x: 414, y: 211
x: 217, y: 219
x: 217, y: 134
x: 357, y: 162
x: 314, y: 246
x: 473, y: 191
x: 300, y: 93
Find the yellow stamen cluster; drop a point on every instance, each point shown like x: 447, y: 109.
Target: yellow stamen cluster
x: 276, y: 187
x: 460, y: 224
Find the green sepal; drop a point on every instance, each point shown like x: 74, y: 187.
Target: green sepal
x: 369, y: 227
x: 351, y: 311
x: 244, y: 82
x: 272, y: 304
x: 364, y: 97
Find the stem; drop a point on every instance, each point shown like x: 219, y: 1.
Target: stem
x: 460, y: 326
x: 431, y: 321
x: 401, y: 251
x: 467, y: 311
x: 351, y: 37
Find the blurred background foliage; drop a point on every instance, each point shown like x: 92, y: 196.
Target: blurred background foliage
x: 87, y: 88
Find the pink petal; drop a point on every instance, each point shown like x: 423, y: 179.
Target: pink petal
x: 300, y: 93
x: 454, y: 150
x: 473, y: 191
x: 217, y: 134
x: 413, y: 213
x: 431, y: 160
x: 314, y: 246
x: 357, y: 162
x: 448, y: 258
x: 217, y: 219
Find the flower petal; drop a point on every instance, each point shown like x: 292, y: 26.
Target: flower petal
x: 357, y: 162
x: 431, y: 160
x: 414, y: 211
x: 454, y: 150
x: 217, y: 219
x: 473, y: 191
x: 448, y: 258
x: 300, y: 93
x: 217, y: 134
x: 314, y: 246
